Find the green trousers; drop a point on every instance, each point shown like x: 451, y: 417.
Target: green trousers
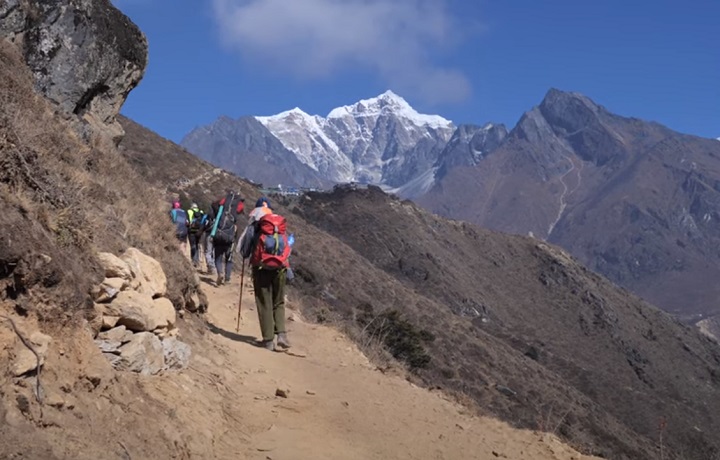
x: 269, y: 288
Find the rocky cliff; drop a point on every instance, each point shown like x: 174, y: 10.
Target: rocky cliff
x: 85, y: 55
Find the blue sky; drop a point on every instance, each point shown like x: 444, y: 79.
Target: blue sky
x: 471, y: 61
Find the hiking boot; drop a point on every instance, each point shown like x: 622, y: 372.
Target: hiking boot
x: 219, y: 281
x: 282, y: 340
x: 269, y: 345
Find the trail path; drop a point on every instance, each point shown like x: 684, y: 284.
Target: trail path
x: 339, y: 405
x: 566, y: 191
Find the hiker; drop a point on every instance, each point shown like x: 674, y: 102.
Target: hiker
x: 265, y: 242
x: 180, y: 219
x: 206, y: 245
x: 197, y: 219
x: 225, y: 235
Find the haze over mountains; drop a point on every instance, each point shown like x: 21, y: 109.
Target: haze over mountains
x: 632, y: 199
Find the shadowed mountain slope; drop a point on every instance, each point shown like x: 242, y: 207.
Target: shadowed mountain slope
x: 633, y: 200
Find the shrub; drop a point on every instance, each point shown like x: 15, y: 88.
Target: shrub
x: 401, y: 338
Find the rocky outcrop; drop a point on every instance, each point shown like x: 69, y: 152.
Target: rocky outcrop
x: 85, y: 55
x: 137, y: 322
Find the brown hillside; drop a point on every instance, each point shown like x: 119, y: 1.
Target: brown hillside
x: 517, y: 325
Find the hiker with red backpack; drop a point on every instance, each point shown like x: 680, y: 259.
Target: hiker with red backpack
x: 224, y: 212
x: 265, y: 242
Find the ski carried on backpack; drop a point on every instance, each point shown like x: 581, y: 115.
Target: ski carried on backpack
x: 224, y: 227
x: 217, y: 220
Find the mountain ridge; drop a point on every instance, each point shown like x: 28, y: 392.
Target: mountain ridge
x: 632, y: 199
x: 380, y: 140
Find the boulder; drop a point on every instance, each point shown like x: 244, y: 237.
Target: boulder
x: 109, y: 288
x: 163, y: 314
x: 143, y: 354
x: 177, y: 353
x: 147, y: 271
x: 25, y: 360
x: 109, y: 321
x: 117, y: 334
x: 134, y: 310
x: 113, y: 266
x: 85, y: 55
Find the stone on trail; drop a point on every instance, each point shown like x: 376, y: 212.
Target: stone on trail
x: 176, y: 353
x: 143, y: 354
x: 113, y: 266
x: 282, y: 393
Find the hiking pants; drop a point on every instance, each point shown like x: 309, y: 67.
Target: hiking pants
x: 207, y: 249
x: 269, y: 288
x: 194, y: 246
x: 223, y: 253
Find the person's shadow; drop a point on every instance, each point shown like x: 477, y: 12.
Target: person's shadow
x: 232, y: 335
x: 208, y: 280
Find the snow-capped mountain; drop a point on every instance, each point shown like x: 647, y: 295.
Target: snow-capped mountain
x: 381, y: 140
x: 305, y: 136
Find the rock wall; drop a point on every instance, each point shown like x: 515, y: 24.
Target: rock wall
x: 85, y: 55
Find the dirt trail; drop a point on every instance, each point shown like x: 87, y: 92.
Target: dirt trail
x: 339, y: 405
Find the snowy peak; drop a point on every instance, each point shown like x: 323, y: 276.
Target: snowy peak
x: 381, y: 140
x: 389, y: 103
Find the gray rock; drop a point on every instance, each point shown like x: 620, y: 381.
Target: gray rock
x: 117, y: 334
x: 113, y: 358
x: 85, y: 55
x: 143, y: 354
x: 12, y: 17
x: 108, y: 346
x: 177, y: 353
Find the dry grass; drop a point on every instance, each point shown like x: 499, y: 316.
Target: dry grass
x: 65, y: 198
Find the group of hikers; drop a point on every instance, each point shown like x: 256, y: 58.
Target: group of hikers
x: 216, y: 235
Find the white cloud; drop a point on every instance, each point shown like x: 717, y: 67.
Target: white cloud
x: 394, y: 39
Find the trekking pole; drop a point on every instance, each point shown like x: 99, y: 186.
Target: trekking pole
x: 242, y: 282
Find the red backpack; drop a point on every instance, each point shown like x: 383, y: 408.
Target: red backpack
x: 272, y: 249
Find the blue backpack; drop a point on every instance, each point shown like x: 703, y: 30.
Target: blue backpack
x: 179, y: 218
